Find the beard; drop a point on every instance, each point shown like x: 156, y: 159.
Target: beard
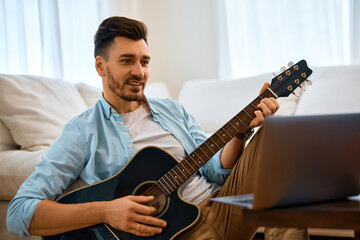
x: 118, y: 88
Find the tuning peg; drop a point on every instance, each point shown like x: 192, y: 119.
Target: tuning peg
x: 303, y: 87
x: 309, y: 82
x: 295, y: 94
x: 282, y: 69
x: 290, y: 64
x: 274, y: 74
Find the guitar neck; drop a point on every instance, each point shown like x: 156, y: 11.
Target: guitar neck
x: 189, y: 165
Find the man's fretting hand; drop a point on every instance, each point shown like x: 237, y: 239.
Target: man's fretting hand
x: 267, y: 106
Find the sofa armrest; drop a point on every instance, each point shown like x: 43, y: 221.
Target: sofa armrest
x: 15, y: 167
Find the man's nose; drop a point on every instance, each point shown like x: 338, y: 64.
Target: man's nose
x: 137, y: 70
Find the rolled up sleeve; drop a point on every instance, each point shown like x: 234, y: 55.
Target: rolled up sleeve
x: 59, y: 167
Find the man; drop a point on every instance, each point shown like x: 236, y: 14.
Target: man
x: 99, y: 142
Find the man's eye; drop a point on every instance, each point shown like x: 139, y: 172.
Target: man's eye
x: 125, y: 60
x: 145, y: 62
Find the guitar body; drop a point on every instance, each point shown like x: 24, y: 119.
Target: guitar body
x: 144, y: 169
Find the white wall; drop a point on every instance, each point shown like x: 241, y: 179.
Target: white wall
x: 182, y: 37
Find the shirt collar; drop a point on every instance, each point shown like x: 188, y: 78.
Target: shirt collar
x: 109, y: 110
x: 106, y: 107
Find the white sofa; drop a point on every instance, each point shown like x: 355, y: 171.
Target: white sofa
x: 33, y: 111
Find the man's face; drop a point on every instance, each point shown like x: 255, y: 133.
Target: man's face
x: 126, y: 69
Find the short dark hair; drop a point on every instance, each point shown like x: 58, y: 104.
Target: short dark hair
x: 117, y: 26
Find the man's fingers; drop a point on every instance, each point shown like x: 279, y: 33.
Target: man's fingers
x: 147, y: 225
x: 258, y: 120
x: 141, y: 199
x: 268, y: 106
x: 276, y: 104
x: 264, y: 87
x: 264, y: 109
x: 144, y: 230
x: 152, y: 221
x: 144, y: 212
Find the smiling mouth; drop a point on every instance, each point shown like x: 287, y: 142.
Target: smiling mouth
x: 135, y: 83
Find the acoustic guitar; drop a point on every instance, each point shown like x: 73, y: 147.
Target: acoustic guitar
x: 154, y: 172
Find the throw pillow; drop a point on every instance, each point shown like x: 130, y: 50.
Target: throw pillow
x: 6, y: 140
x: 89, y: 93
x: 35, y: 109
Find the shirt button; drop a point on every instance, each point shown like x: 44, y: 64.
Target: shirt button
x: 112, y: 111
x: 130, y: 147
x: 121, y: 123
x: 107, y: 115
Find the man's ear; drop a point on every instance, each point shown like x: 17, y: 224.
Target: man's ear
x: 99, y: 65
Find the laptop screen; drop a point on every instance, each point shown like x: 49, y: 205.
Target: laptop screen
x: 305, y: 159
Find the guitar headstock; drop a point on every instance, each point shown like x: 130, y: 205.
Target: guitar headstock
x: 290, y: 79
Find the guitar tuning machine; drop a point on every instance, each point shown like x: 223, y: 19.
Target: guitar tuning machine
x: 282, y: 69
x: 309, y: 82
x: 303, y: 87
x: 290, y: 64
x: 295, y: 94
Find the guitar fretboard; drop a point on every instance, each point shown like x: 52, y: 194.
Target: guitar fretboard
x: 189, y: 165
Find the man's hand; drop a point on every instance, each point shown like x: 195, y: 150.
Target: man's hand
x: 234, y: 148
x: 267, y: 106
x: 129, y: 214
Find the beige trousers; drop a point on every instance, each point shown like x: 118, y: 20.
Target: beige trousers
x: 222, y: 221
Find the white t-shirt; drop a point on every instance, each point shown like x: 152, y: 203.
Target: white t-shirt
x: 144, y: 132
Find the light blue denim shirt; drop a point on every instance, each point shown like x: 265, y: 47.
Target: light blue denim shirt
x: 96, y: 145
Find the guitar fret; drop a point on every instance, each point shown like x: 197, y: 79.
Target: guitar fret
x: 220, y: 137
x: 240, y: 120
x: 248, y: 114
x: 227, y: 132
x: 191, y: 167
x: 253, y: 106
x: 234, y: 127
x: 195, y: 162
x: 170, y: 182
x: 215, y: 143
x: 209, y: 148
x: 200, y: 162
x: 181, y: 171
x: 163, y: 186
x: 186, y: 168
x: 204, y: 153
x: 175, y: 177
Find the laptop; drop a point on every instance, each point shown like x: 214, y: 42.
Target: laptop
x: 305, y: 159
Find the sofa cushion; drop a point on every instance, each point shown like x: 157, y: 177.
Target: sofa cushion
x: 157, y: 90
x: 334, y: 90
x: 35, y: 109
x: 15, y: 167
x: 6, y: 140
x: 89, y: 93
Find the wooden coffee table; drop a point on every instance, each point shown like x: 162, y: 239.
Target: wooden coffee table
x: 340, y: 215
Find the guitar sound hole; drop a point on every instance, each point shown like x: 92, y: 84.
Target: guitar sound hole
x: 160, y: 201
